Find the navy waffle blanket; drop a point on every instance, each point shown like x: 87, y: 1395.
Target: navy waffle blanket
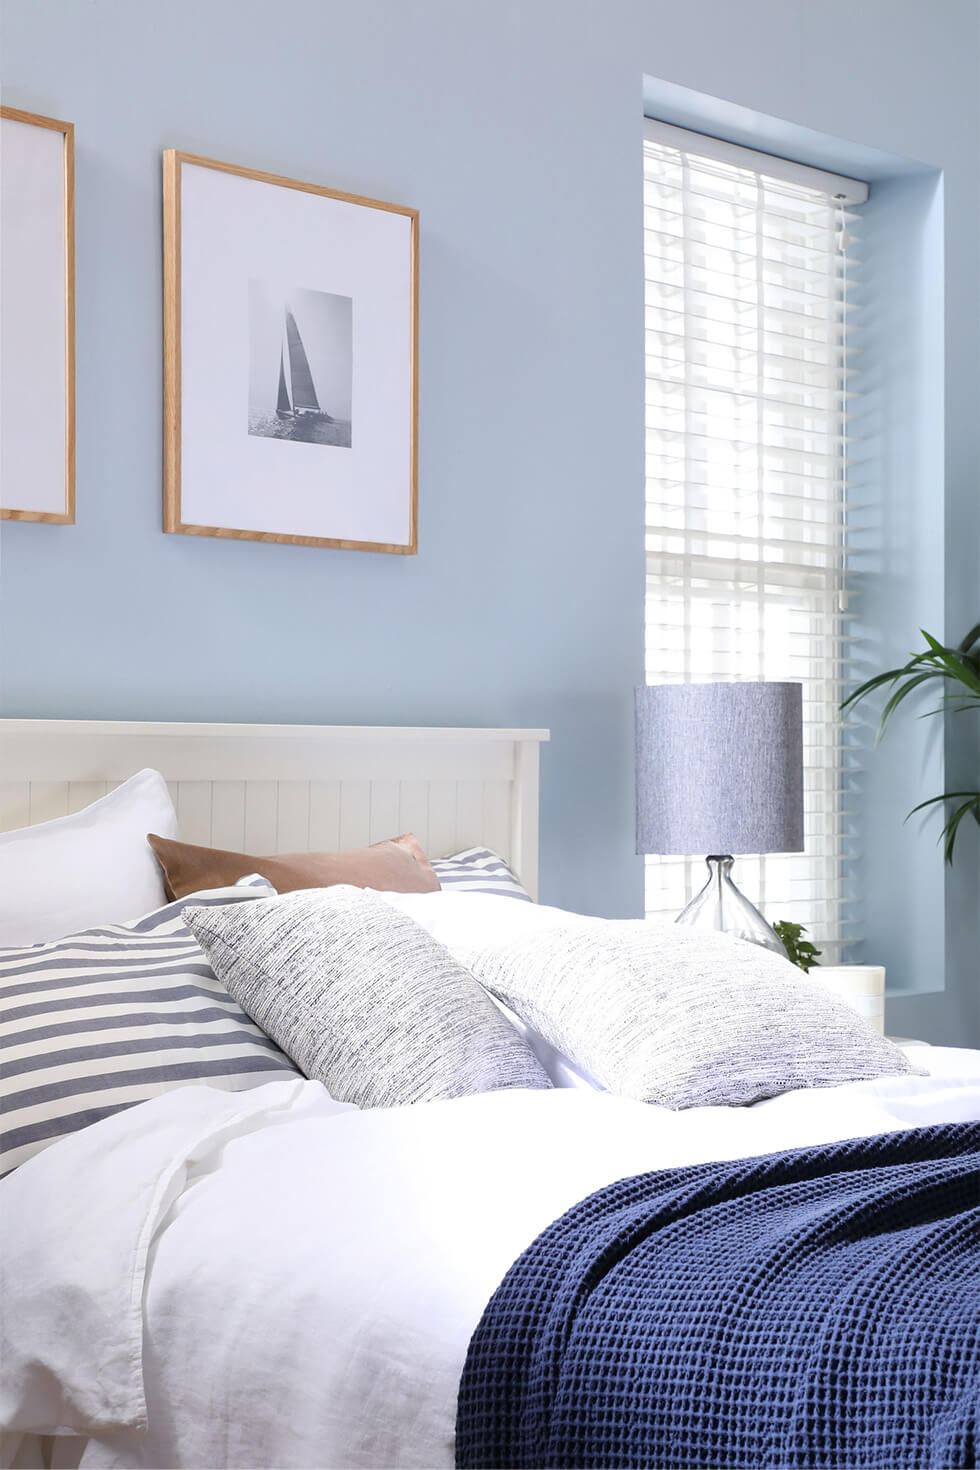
x: 818, y: 1308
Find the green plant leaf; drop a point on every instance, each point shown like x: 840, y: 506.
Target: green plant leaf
x: 946, y: 796
x: 973, y: 637
x: 799, y: 951
x: 948, y: 834
x: 870, y: 685
x: 957, y: 665
x: 960, y: 668
x: 953, y: 825
x: 902, y: 692
x: 956, y: 703
x: 936, y: 661
x: 941, y: 709
x: 916, y: 663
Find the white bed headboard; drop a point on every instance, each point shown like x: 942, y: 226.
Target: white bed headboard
x: 292, y: 788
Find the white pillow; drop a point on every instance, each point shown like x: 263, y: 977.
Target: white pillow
x: 92, y: 868
x: 470, y: 920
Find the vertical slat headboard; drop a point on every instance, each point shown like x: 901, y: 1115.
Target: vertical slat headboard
x: 292, y: 788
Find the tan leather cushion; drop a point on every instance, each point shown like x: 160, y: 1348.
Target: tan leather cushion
x: 397, y: 865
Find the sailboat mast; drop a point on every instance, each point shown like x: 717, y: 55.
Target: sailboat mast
x: 284, y: 408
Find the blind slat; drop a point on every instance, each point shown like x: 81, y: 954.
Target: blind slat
x: 700, y: 302
x: 674, y: 212
x: 814, y: 213
x: 739, y: 258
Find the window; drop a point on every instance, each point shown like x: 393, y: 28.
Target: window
x: 750, y: 382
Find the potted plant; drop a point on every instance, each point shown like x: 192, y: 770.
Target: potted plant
x: 959, y: 670
x: 799, y: 950
x: 861, y: 987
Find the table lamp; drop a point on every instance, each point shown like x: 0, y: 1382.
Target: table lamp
x: 719, y: 770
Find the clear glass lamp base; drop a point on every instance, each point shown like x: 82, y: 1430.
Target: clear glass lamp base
x: 720, y: 905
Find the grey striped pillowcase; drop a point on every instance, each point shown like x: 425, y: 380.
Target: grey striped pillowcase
x: 478, y: 870
x: 107, y: 1018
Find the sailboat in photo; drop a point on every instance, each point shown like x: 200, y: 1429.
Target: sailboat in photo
x: 298, y: 396
x: 313, y: 333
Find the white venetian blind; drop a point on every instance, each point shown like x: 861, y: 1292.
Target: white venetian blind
x: 750, y: 378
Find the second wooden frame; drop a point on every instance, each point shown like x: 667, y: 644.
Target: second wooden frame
x: 328, y: 293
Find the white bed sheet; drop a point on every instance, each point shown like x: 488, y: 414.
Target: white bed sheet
x: 271, y: 1279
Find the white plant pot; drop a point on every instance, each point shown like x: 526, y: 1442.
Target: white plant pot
x: 861, y: 986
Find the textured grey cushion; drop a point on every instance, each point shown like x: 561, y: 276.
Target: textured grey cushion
x: 677, y: 1017
x: 363, y: 999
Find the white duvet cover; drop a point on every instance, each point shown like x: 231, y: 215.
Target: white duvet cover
x: 272, y: 1279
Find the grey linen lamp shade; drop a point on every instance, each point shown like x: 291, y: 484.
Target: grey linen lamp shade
x: 719, y: 768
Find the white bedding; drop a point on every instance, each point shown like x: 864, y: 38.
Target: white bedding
x: 272, y: 1279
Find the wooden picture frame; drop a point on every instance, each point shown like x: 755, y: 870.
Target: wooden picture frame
x: 37, y: 318
x: 347, y: 479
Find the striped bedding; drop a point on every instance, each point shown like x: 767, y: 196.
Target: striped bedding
x: 104, y: 1019
x: 478, y: 870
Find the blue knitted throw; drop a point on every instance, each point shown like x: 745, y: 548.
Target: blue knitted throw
x: 819, y: 1308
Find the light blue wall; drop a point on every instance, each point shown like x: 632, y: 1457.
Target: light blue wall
x: 514, y: 126
x: 896, y: 573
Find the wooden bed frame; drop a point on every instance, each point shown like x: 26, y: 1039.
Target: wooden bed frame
x: 292, y: 788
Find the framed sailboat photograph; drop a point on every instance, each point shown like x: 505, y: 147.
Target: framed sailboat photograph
x: 37, y: 318
x: 290, y: 360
